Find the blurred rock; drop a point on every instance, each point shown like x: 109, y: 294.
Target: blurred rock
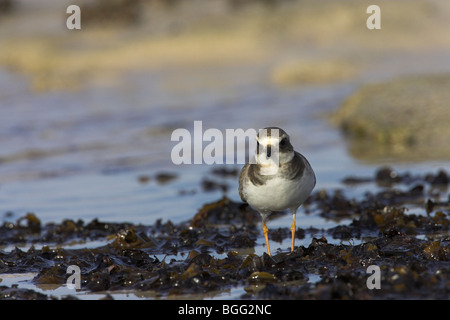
x: 113, y: 12
x: 312, y: 72
x: 6, y: 6
x: 404, y: 119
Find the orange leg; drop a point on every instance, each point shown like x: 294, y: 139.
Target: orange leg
x: 293, y: 232
x: 266, y: 232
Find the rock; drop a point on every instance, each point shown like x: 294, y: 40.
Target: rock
x: 298, y: 72
x: 403, y: 119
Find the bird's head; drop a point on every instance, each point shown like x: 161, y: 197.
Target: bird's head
x: 273, y: 148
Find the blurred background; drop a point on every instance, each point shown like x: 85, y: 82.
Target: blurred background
x: 87, y: 115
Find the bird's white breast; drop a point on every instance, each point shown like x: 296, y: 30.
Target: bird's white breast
x: 278, y: 194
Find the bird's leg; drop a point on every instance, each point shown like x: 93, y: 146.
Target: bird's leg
x: 293, y: 230
x: 266, y: 232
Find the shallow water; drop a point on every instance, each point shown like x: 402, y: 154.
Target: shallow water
x: 104, y: 182
x: 79, y: 154
x: 95, y: 144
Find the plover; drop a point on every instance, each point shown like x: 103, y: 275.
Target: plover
x: 280, y: 179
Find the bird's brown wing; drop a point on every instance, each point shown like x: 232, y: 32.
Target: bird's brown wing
x: 252, y: 171
x: 298, y: 167
x: 241, y: 181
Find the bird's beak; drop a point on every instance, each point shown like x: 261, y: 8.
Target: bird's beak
x: 269, y: 150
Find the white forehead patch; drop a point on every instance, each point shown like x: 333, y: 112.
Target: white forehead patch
x: 268, y: 140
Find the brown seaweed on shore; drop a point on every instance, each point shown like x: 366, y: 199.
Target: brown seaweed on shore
x: 213, y: 252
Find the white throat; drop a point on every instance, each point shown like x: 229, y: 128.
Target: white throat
x: 270, y: 165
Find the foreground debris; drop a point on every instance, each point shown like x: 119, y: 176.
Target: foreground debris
x: 214, y: 251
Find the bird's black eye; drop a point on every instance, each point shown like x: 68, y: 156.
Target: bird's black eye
x: 283, y: 142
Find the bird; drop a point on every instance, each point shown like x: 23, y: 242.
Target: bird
x: 277, y: 179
